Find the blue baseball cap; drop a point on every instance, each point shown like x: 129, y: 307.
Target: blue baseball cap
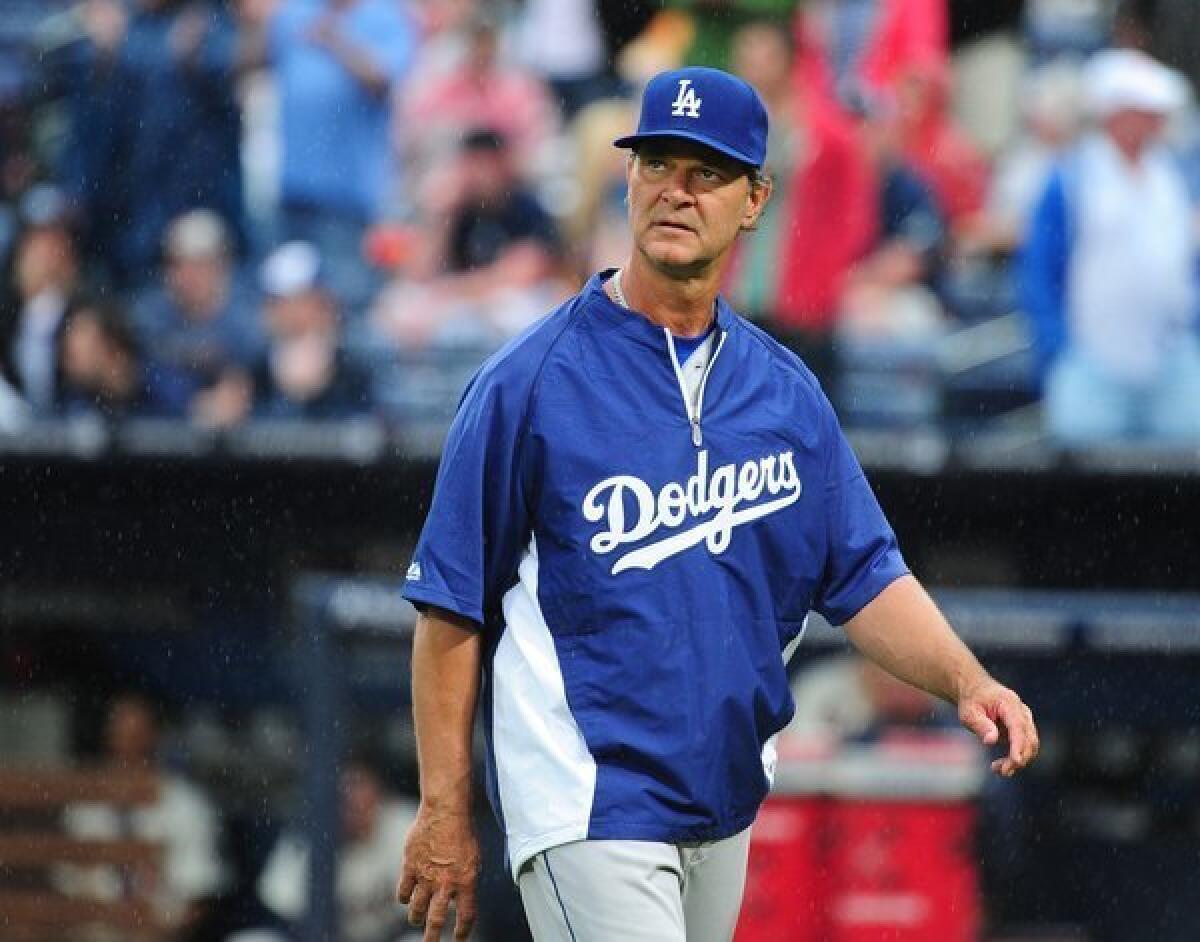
x: 707, y: 106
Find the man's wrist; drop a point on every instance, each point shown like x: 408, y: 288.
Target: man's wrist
x: 970, y: 681
x: 447, y: 817
x: 447, y: 802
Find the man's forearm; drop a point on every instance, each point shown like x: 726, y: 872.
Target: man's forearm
x: 903, y: 632
x: 447, y: 652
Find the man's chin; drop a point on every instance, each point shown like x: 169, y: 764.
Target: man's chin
x: 675, y: 259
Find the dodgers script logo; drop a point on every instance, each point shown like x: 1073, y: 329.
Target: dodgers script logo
x: 725, y: 491
x: 686, y: 104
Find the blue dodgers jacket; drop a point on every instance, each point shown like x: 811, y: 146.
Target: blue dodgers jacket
x: 642, y: 570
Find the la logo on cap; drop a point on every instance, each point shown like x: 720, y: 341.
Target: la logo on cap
x: 686, y: 104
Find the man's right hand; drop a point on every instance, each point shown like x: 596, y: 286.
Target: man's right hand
x: 441, y: 864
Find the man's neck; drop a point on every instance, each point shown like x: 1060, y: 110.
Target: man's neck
x: 684, y: 305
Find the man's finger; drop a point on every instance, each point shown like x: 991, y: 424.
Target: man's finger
x: 408, y: 880
x: 1021, y: 732
x: 437, y: 914
x: 978, y: 722
x: 1029, y: 738
x: 418, y: 904
x: 1022, y: 736
x: 464, y: 908
x: 1015, y: 731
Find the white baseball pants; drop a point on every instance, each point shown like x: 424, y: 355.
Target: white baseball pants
x: 636, y: 891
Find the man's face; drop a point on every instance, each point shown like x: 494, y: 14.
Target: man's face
x: 1135, y: 129
x: 45, y: 259
x: 687, y: 204
x: 305, y: 313
x: 131, y: 732
x: 486, y: 176
x: 761, y: 56
x: 197, y: 283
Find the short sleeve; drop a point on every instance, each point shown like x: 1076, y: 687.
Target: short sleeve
x: 862, y: 556
x: 478, y: 522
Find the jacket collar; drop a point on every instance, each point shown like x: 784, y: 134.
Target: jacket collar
x: 631, y: 323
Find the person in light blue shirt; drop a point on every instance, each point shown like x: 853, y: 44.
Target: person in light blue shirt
x: 639, y: 501
x: 337, y: 63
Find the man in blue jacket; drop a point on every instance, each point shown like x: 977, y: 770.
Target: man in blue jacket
x: 639, y: 502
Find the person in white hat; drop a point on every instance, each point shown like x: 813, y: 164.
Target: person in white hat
x: 201, y: 319
x: 1108, y: 268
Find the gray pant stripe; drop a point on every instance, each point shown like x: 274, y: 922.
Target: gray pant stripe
x: 558, y: 895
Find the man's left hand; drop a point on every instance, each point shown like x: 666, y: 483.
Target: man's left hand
x: 994, y: 713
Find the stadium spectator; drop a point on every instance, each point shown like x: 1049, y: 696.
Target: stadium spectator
x: 789, y: 274
x: 979, y: 282
x: 374, y: 828
x: 445, y: 35
x: 200, y: 321
x: 715, y: 24
x: 1108, y: 270
x: 104, y: 372
x: 182, y: 821
x: 337, y: 66
x: 19, y: 165
x: 490, y: 264
x: 153, y: 126
x: 936, y: 147
x: 1052, y: 109
x: 482, y: 91
x: 45, y: 273
x: 596, y: 229
x: 855, y: 49
x: 573, y: 64
x: 305, y: 373
x: 894, y: 289
x: 238, y: 914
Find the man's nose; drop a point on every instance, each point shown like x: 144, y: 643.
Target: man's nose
x: 677, y: 190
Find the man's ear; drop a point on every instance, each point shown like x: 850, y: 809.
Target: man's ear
x: 756, y: 201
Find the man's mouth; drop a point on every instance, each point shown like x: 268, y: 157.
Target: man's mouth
x: 676, y: 226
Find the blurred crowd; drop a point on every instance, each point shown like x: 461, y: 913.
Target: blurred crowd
x: 221, y: 873
x: 222, y: 210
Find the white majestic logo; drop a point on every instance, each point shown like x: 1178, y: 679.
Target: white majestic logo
x: 724, y: 491
x: 686, y: 104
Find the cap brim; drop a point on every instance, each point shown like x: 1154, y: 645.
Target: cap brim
x: 632, y: 140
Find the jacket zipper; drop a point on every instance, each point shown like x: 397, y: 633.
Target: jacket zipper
x: 693, y: 415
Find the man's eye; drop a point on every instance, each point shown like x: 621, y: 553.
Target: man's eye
x: 710, y: 175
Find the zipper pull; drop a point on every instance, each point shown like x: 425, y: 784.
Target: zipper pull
x: 697, y: 438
